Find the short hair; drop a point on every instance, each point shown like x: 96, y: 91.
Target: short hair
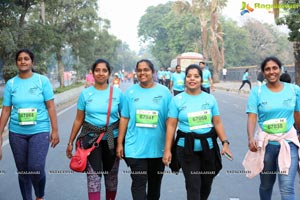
x: 194, y: 66
x: 31, y: 55
x: 285, y: 77
x: 202, y: 62
x: 149, y: 63
x: 267, y: 59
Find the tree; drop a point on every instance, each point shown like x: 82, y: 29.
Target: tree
x: 292, y: 20
x: 207, y: 12
x: 167, y: 33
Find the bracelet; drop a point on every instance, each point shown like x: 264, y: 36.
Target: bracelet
x: 225, y: 141
x: 70, y: 144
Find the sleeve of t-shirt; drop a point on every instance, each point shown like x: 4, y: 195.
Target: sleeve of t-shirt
x: 7, y: 94
x: 252, y: 101
x: 81, y: 102
x: 215, y: 108
x: 173, y: 110
x: 297, y: 91
x: 47, y: 89
x: 125, y: 107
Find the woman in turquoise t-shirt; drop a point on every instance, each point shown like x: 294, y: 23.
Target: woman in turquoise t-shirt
x: 92, y: 108
x: 275, y: 106
x: 143, y: 127
x: 245, y: 80
x: 198, y: 119
x: 28, y: 101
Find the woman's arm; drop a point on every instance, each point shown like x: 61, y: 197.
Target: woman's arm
x: 3, y: 121
x: 75, y: 129
x: 54, y: 137
x: 122, y: 132
x: 171, y: 128
x: 221, y: 134
x: 251, y: 125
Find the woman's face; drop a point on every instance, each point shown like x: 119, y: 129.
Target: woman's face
x: 101, y: 73
x: 24, y: 62
x: 144, y: 73
x: 272, y: 71
x: 193, y: 80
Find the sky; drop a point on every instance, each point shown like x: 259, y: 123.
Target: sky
x: 124, y: 15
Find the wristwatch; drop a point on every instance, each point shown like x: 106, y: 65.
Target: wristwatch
x: 225, y: 141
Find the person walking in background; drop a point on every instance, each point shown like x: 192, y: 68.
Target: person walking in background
x: 177, y: 81
x: 260, y: 78
x: 116, y: 81
x: 274, y: 150
x: 285, y: 77
x: 92, y: 108
x: 199, y: 124
x: 89, y: 79
x: 161, y: 75
x: 143, y: 127
x: 245, y: 79
x: 168, y: 78
x: 28, y: 101
x: 207, y: 80
x: 224, y: 71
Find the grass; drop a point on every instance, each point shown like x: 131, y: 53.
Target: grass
x: 58, y: 90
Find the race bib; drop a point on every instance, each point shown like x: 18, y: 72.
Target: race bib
x: 180, y: 82
x: 274, y: 126
x: 201, y: 119
x: 146, y: 118
x: 27, y: 116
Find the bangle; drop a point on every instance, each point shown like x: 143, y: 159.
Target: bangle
x: 225, y: 141
x: 70, y: 144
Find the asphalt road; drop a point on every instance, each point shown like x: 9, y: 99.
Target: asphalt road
x: 63, y: 184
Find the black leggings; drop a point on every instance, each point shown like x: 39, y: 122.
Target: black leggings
x: 243, y: 83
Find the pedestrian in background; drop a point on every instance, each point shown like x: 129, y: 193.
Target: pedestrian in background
x: 142, y: 130
x: 285, y: 77
x: 260, y: 78
x: 89, y: 79
x: 177, y: 81
x: 91, y: 116
x: 245, y: 79
x: 28, y: 101
x: 224, y: 71
x: 274, y: 151
x: 199, y: 124
x: 207, y: 81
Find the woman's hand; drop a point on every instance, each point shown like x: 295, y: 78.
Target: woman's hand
x: 54, y: 139
x: 69, y: 151
x: 167, y: 158
x: 226, y: 150
x: 252, y: 145
x: 120, y: 151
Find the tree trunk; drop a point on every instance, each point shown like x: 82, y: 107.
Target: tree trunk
x: 204, y: 36
x: 296, y: 45
x: 42, y: 15
x: 60, y: 68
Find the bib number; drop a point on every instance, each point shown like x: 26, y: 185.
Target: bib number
x: 27, y: 116
x: 274, y: 126
x: 201, y: 119
x: 146, y: 118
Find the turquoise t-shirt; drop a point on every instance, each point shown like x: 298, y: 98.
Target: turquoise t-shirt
x: 160, y: 74
x: 27, y: 98
x: 147, y: 110
x: 245, y: 76
x: 275, y: 110
x: 95, y: 105
x: 206, y: 75
x: 178, y: 81
x: 167, y: 74
x: 194, y: 114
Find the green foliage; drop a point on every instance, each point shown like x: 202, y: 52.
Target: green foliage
x: 69, y: 87
x: 167, y: 33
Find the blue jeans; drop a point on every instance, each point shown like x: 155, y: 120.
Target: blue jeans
x: 286, y: 182
x: 30, y: 153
